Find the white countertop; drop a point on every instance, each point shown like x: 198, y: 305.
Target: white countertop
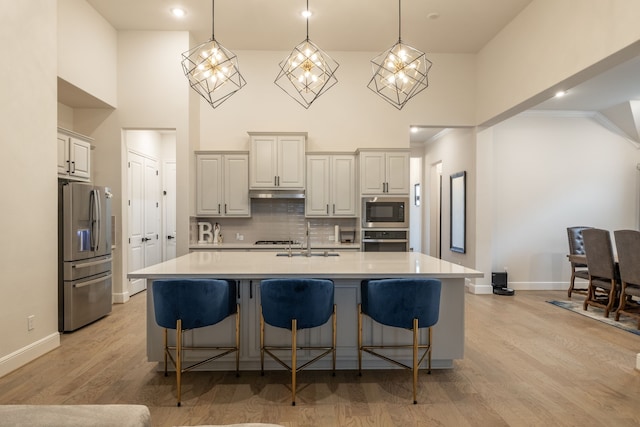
x: 253, y: 246
x: 261, y: 265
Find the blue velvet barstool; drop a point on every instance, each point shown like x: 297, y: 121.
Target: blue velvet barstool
x: 296, y: 304
x: 402, y: 303
x: 184, y: 304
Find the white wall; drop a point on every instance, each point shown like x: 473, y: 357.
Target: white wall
x: 548, y: 44
x: 550, y: 173
x: 87, y: 54
x: 347, y: 116
x: 456, y: 150
x: 29, y: 249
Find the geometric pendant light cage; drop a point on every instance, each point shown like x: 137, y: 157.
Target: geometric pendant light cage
x: 401, y: 72
x: 212, y: 69
x: 307, y: 72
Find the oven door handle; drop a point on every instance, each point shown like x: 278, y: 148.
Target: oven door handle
x: 384, y: 240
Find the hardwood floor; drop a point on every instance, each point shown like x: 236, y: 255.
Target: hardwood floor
x: 527, y: 363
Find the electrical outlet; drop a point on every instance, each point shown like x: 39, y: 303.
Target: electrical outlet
x: 31, y: 322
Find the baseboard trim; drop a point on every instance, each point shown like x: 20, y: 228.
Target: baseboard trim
x: 26, y: 354
x: 479, y: 289
x: 120, y: 298
x: 539, y: 286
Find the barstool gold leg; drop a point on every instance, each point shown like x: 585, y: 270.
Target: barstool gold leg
x: 166, y: 342
x: 335, y: 324
x: 237, y: 340
x: 261, y: 343
x: 360, y: 339
x: 179, y: 359
x: 429, y: 356
x: 415, y: 360
x: 294, y: 344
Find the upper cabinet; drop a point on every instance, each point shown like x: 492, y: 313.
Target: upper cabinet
x: 222, y: 184
x: 277, y: 160
x: 331, y: 185
x: 384, y: 172
x: 74, y: 155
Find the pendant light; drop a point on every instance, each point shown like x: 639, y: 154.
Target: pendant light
x: 307, y: 72
x: 212, y: 69
x: 399, y: 73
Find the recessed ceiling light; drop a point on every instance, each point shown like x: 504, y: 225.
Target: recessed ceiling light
x: 560, y: 93
x: 178, y: 12
x: 433, y: 15
x: 414, y: 129
x: 306, y: 13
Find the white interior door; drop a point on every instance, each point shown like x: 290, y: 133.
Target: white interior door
x: 169, y: 177
x: 144, y: 216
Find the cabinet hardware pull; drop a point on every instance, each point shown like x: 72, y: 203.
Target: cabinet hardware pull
x: 225, y: 208
x: 327, y: 209
x: 334, y: 208
x: 218, y: 207
x: 74, y: 167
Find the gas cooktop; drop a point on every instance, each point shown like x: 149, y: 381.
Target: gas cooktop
x: 276, y: 242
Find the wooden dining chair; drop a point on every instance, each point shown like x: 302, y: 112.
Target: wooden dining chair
x: 628, y: 245
x: 578, y: 270
x: 603, y: 270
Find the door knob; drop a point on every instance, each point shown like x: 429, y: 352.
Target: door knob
x: 170, y: 237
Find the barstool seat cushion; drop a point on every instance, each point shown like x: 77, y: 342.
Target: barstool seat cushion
x: 198, y: 302
x: 309, y: 301
x: 396, y: 302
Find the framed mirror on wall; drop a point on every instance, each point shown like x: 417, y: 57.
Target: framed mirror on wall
x: 458, y: 212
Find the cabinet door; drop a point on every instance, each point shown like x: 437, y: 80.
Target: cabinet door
x: 318, y: 186
x: 80, y: 158
x: 236, y: 185
x: 397, y: 173
x: 264, y: 160
x: 372, y: 173
x: 343, y: 186
x: 291, y: 161
x: 63, y: 154
x: 209, y: 195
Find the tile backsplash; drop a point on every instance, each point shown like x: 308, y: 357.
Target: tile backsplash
x: 273, y: 219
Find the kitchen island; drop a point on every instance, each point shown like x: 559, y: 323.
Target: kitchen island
x: 346, y: 269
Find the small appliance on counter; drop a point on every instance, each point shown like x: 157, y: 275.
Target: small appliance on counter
x: 347, y: 235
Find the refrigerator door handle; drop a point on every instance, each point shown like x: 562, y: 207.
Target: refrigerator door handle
x: 92, y: 263
x: 98, y: 220
x: 91, y: 282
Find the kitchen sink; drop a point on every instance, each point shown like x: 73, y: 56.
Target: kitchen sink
x: 304, y: 254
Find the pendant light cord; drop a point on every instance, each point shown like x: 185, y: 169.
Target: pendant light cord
x: 399, y: 21
x: 213, y: 19
x: 307, y: 19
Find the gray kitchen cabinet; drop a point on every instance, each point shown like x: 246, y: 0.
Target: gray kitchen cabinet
x: 74, y: 155
x: 384, y: 172
x: 331, y: 185
x: 277, y: 160
x: 222, y: 184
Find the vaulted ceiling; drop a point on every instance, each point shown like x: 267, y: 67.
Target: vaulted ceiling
x: 434, y: 26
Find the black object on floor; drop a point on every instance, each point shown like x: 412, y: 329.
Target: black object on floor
x: 503, y: 291
x: 499, y: 284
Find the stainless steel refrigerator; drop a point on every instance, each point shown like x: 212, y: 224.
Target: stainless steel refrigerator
x: 84, y: 248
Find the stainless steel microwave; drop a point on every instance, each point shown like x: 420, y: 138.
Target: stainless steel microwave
x: 385, y: 212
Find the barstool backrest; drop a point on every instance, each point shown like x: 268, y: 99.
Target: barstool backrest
x: 197, y: 302
x: 309, y: 301
x: 396, y: 302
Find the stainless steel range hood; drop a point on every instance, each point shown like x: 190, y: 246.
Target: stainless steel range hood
x: 276, y: 194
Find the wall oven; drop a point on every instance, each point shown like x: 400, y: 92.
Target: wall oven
x: 385, y: 212
x: 385, y: 240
